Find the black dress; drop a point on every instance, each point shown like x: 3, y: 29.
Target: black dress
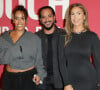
x: 81, y: 73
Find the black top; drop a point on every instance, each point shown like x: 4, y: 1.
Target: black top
x: 78, y: 52
x: 49, y: 56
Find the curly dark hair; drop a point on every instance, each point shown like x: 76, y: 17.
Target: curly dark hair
x: 20, y: 8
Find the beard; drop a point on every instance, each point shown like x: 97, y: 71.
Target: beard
x: 48, y: 28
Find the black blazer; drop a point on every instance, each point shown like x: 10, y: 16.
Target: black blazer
x: 58, y: 83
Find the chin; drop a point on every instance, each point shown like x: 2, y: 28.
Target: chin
x: 77, y: 24
x: 20, y: 29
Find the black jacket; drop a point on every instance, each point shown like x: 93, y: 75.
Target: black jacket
x: 56, y: 72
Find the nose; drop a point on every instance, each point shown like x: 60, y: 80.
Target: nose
x: 19, y: 20
x: 75, y: 16
x: 47, y: 19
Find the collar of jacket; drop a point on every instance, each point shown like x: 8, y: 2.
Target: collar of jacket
x: 56, y: 31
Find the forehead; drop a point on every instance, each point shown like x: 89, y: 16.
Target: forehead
x: 19, y: 13
x: 76, y: 9
x: 46, y: 11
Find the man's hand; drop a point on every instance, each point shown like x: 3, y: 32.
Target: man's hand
x: 68, y: 87
x: 36, y: 79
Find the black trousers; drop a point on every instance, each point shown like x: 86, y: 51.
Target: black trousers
x: 18, y: 81
x: 51, y: 87
x: 48, y: 84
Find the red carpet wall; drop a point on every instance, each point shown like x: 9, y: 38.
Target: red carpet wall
x: 60, y: 6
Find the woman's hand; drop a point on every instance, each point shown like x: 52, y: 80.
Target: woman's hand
x: 68, y: 87
x: 36, y: 79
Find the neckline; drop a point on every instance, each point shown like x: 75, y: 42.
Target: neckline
x: 82, y: 31
x: 17, y: 40
x: 79, y: 33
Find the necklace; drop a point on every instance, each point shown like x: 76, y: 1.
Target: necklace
x: 82, y: 31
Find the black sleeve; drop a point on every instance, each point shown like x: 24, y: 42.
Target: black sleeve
x: 96, y: 55
x: 63, y: 62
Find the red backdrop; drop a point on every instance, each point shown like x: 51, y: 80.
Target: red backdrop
x: 60, y: 7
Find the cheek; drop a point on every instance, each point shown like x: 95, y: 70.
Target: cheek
x: 72, y: 19
x: 14, y: 21
x: 82, y: 19
x: 24, y: 22
x: 54, y: 19
x: 42, y: 20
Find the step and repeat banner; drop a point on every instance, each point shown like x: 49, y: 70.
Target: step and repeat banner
x: 60, y: 6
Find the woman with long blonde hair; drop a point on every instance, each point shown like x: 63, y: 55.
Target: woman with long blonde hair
x: 77, y: 46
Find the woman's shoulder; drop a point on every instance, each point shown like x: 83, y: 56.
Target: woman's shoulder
x: 92, y: 34
x: 33, y: 36
x: 5, y: 33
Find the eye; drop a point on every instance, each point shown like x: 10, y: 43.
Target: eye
x: 23, y: 18
x: 79, y: 13
x: 42, y: 16
x: 72, y: 14
x: 49, y: 16
x: 15, y: 18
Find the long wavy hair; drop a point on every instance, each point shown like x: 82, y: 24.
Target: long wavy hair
x: 68, y: 23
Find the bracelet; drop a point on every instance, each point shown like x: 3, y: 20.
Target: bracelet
x: 41, y: 82
x: 98, y: 85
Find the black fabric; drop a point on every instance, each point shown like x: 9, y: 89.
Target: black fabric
x: 19, y: 81
x: 51, y: 87
x: 57, y: 79
x: 49, y: 56
x: 81, y: 73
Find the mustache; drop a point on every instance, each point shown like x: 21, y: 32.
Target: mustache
x: 47, y: 22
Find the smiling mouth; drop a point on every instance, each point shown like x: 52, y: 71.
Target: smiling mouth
x: 19, y: 25
x: 48, y: 23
